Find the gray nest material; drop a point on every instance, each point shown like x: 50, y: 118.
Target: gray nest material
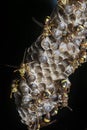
x: 43, y: 85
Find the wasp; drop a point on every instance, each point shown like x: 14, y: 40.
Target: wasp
x: 83, y: 57
x: 47, y: 121
x: 65, y: 85
x: 47, y: 27
x: 84, y: 45
x: 47, y: 118
x: 63, y: 2
x: 23, y: 69
x: 14, y: 87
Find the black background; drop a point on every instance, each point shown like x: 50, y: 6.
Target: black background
x: 18, y: 31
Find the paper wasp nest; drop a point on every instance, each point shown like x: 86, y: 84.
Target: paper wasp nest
x: 43, y: 85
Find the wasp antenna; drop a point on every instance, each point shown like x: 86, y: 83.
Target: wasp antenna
x: 9, y: 66
x: 24, y: 55
x: 54, y: 10
x: 37, y: 22
x: 70, y: 108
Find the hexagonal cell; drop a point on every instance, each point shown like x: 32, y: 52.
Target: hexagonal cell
x: 46, y: 72
x: 45, y: 44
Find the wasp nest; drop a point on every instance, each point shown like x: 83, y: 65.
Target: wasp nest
x: 43, y: 85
